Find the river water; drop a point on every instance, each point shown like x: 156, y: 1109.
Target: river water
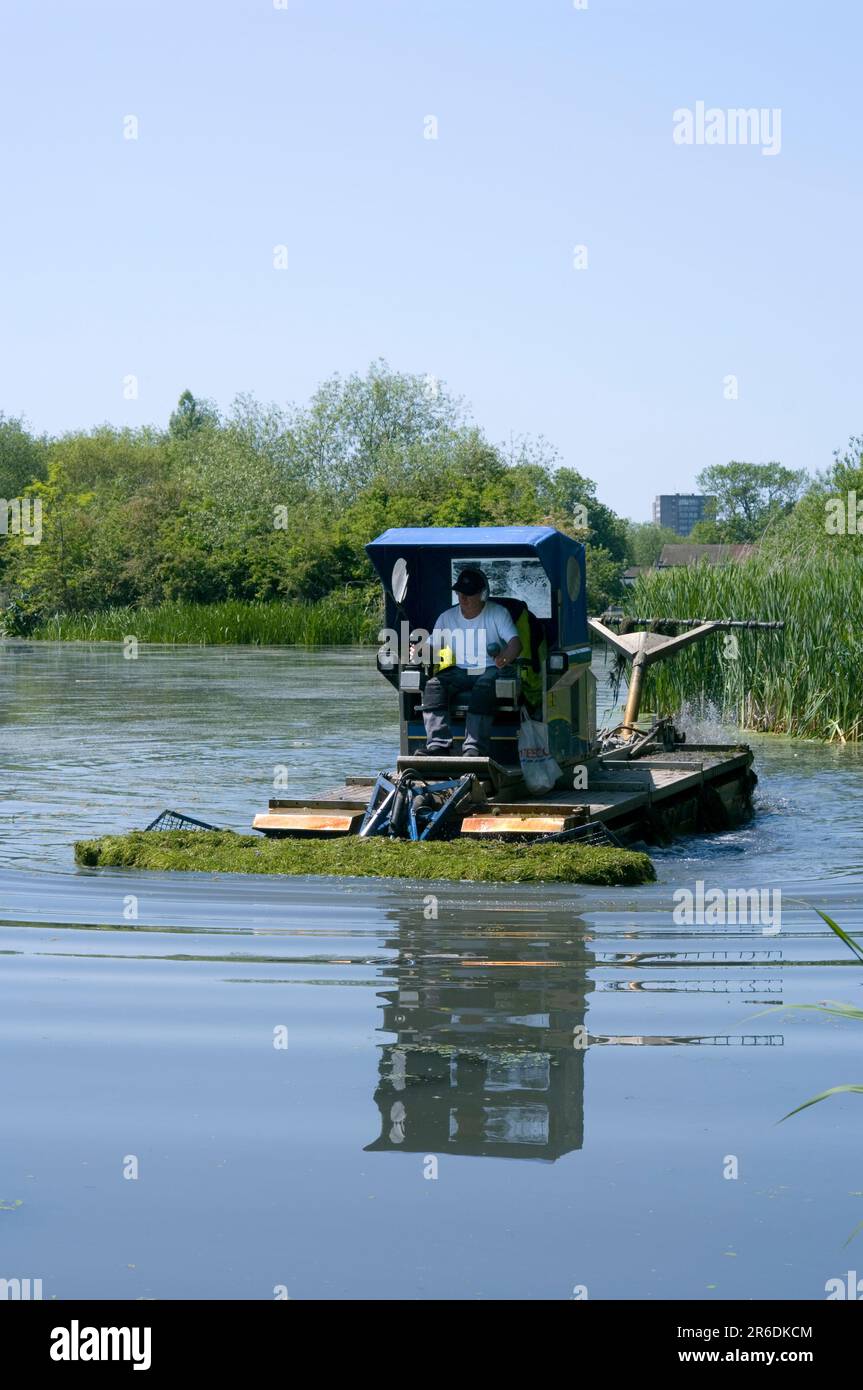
x: 241, y: 1087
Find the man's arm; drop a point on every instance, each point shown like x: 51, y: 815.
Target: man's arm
x: 510, y: 653
x: 512, y: 650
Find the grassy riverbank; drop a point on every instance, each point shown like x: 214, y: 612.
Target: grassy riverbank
x: 337, y: 620
x: 221, y: 851
x: 806, y: 680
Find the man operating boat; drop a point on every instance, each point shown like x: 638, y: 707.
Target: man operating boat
x: 482, y: 640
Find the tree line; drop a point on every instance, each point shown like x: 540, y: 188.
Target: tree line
x: 275, y: 504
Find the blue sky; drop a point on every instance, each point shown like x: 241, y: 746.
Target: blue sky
x: 304, y: 126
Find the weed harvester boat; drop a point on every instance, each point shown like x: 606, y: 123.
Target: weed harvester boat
x: 638, y: 782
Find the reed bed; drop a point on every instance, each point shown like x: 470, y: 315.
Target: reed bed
x: 806, y: 680
x: 333, y: 621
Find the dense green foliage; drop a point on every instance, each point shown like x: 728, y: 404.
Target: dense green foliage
x: 270, y: 505
x: 828, y: 519
x: 23, y: 457
x: 646, y: 540
x: 222, y: 851
x: 750, y: 498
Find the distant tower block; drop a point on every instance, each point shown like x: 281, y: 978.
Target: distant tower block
x: 680, y: 511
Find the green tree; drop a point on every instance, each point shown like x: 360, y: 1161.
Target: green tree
x: 750, y: 496
x: 382, y: 425
x: 804, y: 530
x: 645, y: 540
x: 846, y: 473
x: 23, y: 461
x: 103, y: 499
x: 23, y: 457
x: 604, y: 579
x: 707, y: 533
x: 191, y: 415
x: 270, y: 503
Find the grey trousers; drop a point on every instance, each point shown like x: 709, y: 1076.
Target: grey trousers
x: 452, y: 683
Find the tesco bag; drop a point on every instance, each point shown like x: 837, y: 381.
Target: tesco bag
x: 538, y: 767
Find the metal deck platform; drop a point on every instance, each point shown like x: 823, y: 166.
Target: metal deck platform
x: 633, y: 796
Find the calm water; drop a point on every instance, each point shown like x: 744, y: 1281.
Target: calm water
x: 414, y: 1043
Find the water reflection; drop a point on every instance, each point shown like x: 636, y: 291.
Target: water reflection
x: 491, y: 1032
x: 156, y: 1035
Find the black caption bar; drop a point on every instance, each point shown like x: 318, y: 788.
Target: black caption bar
x: 152, y: 1339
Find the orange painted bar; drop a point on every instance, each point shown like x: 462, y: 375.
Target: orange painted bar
x: 508, y: 825
x: 310, y: 820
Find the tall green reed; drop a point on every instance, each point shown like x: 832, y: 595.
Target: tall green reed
x: 336, y: 620
x: 806, y: 680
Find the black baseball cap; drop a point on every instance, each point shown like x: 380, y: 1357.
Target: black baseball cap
x: 470, y: 582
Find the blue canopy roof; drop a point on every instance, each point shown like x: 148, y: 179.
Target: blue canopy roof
x: 473, y: 536
x: 429, y: 551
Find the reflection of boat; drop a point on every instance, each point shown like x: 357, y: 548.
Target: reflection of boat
x: 628, y: 783
x: 489, y: 1057
x: 490, y: 1033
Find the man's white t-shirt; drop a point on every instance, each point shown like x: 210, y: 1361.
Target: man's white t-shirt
x: 470, y: 638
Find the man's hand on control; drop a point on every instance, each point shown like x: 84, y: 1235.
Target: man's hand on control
x: 509, y: 653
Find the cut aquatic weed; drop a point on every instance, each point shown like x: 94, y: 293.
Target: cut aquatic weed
x: 223, y: 851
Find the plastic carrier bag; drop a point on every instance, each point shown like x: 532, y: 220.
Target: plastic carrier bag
x: 538, y: 767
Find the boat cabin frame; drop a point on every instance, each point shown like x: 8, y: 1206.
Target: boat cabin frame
x: 539, y: 565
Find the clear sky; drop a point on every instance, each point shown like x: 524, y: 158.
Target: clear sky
x: 304, y: 126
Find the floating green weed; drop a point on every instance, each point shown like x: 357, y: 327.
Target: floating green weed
x: 222, y: 851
